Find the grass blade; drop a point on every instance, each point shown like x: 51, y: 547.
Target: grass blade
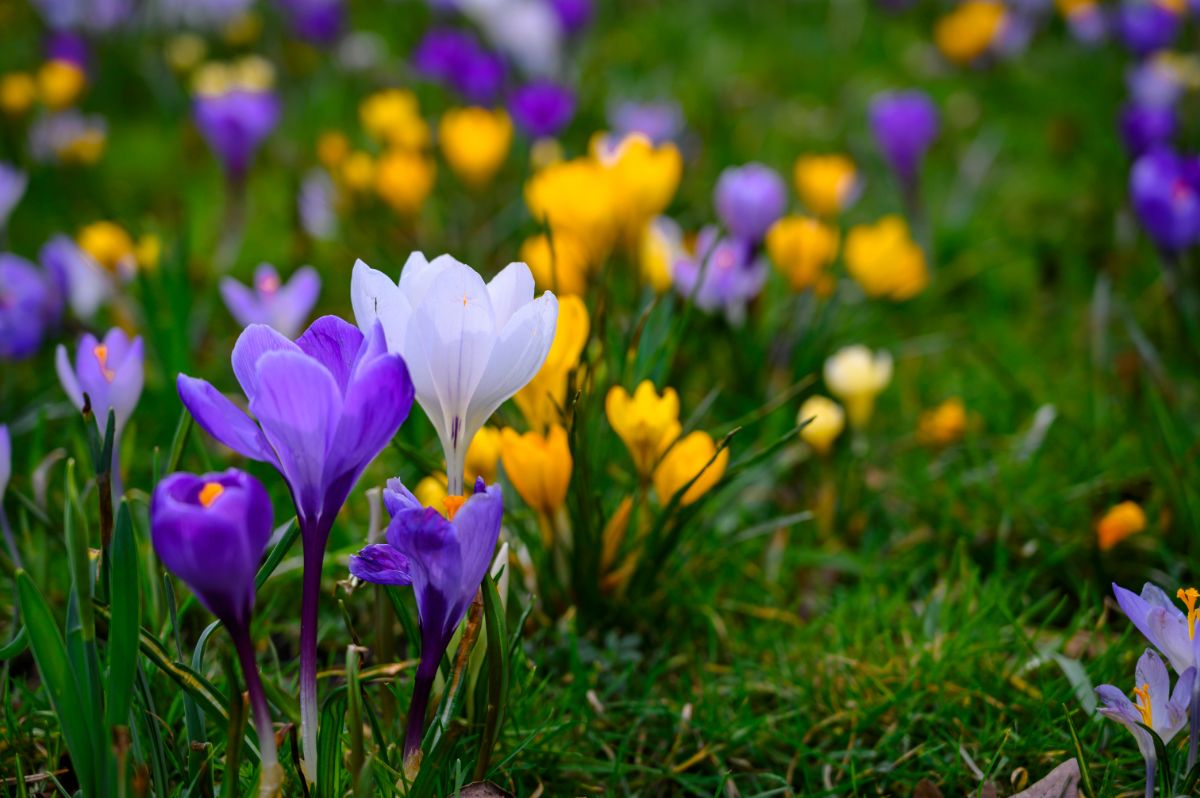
x: 126, y: 619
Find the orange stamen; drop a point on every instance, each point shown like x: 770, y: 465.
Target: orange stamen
x: 1189, y: 597
x: 452, y: 505
x: 210, y: 492
x: 1142, y: 694
x: 101, y: 353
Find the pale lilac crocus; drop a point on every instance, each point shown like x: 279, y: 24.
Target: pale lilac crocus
x: 12, y: 187
x: 315, y: 204
x: 445, y: 561
x: 110, y: 372
x: 270, y: 301
x: 29, y: 306
x: 1173, y: 632
x: 325, y: 405
x: 1156, y: 706
x: 749, y: 199
x: 660, y: 121
x: 83, y: 282
x: 469, y: 345
x: 211, y: 531
x: 723, y: 274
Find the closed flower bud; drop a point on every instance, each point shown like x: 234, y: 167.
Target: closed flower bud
x: 885, y: 261
x: 646, y: 422
x: 827, y: 184
x: 692, y: 456
x: 801, y: 249
x: 856, y: 376
x: 211, y: 531
x: 475, y: 142
x: 538, y: 466
x: 826, y: 420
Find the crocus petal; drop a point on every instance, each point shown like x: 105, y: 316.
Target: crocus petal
x: 254, y: 342
x: 334, y: 343
x: 375, y: 406
x: 66, y: 375
x: 509, y: 290
x: 222, y: 419
x: 1155, y: 596
x: 1152, y: 674
x: 241, y: 302
x: 127, y: 383
x: 298, y: 404
x: 477, y: 525
x: 296, y: 300
x: 419, y: 275
x: 428, y: 541
x: 398, y: 498
x: 5, y: 459
x: 1168, y: 633
x: 381, y: 564
x: 519, y: 353
x: 375, y: 298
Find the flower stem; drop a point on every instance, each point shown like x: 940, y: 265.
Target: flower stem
x: 1194, y: 726
x: 1151, y: 768
x: 258, y: 699
x: 314, y: 555
x: 422, y: 687
x: 9, y: 540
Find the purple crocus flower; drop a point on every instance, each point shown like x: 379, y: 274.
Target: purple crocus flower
x: 12, y: 187
x: 235, y: 123
x: 1153, y: 83
x: 92, y: 15
x: 66, y: 46
x: 1173, y: 632
x: 326, y: 405
x: 1157, y: 707
x: 456, y: 59
x: 445, y: 561
x: 318, y: 21
x: 29, y: 305
x: 211, y: 532
x: 111, y: 373
x: 749, y: 199
x: 1088, y: 24
x: 905, y: 124
x: 573, y: 15
x: 1146, y: 127
x: 542, y: 109
x: 1165, y: 189
x: 724, y: 274
x: 658, y: 121
x: 283, y: 306
x: 1145, y: 26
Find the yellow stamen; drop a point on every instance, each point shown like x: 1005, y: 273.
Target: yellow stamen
x: 452, y: 505
x: 1142, y: 694
x: 1189, y: 597
x: 101, y: 353
x: 210, y: 492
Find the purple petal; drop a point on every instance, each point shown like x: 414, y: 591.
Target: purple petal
x: 242, y: 303
x: 297, y: 298
x: 380, y: 564
x: 66, y: 375
x: 375, y: 405
x: 477, y: 524
x: 254, y: 342
x: 222, y: 419
x: 397, y: 498
x: 334, y: 342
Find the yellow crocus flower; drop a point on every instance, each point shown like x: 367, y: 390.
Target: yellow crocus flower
x: 577, y: 198
x: 828, y: 421
x: 885, y: 261
x: 826, y: 184
x: 18, y: 91
x: 403, y: 179
x: 801, y: 249
x: 482, y: 456
x: 646, y: 178
x: 560, y: 265
x: 856, y: 375
x: 542, y: 397
x: 60, y: 83
x: 968, y: 31
x: 944, y: 424
x: 538, y: 466
x: 646, y: 422
x: 393, y: 117
x: 109, y: 245
x: 475, y: 142
x: 689, y: 457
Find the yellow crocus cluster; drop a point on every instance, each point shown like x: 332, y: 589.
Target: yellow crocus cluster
x: 648, y: 425
x: 885, y: 261
x: 559, y: 263
x: 404, y: 174
x: 540, y: 401
x: 944, y: 424
x: 802, y: 248
x: 826, y: 184
x: 967, y: 32
x: 475, y: 141
x: 1121, y: 521
x: 57, y: 84
x: 538, y: 466
x: 393, y: 117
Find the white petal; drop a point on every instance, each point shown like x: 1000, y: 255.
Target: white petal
x: 66, y: 375
x: 375, y: 297
x: 519, y: 354
x: 419, y: 275
x: 509, y: 290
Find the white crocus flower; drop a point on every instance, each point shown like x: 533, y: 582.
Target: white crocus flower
x: 469, y: 346
x: 856, y: 376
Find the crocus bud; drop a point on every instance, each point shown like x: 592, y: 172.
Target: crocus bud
x: 904, y: 124
x: 802, y: 248
x: 538, y: 466
x: 749, y: 199
x: 211, y: 531
x: 1121, y: 521
x: 827, y: 184
x: 885, y: 261
x: 694, y: 455
x: 856, y: 376
x: 826, y: 424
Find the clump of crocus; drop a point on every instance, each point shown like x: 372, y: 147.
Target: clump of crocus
x: 1146, y: 127
x: 445, y: 561
x: 1173, y: 632
x: 885, y: 261
x: 905, y: 124
x: 543, y: 399
x: 211, y: 532
x: 856, y: 376
x: 722, y: 274
x: 475, y: 141
x: 825, y: 422
x: 29, y: 306
x: 456, y: 59
x: 542, y: 109
x: 749, y: 199
x: 235, y: 109
x: 270, y: 301
x: 1165, y: 189
x: 826, y: 184
x: 326, y: 405
x: 943, y: 425
x: 644, y: 175
x: 646, y: 422
x: 1154, y: 706
x: 969, y: 30
x: 538, y: 466
x: 802, y: 248
x: 1119, y: 522
x: 110, y: 372
x: 469, y: 345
